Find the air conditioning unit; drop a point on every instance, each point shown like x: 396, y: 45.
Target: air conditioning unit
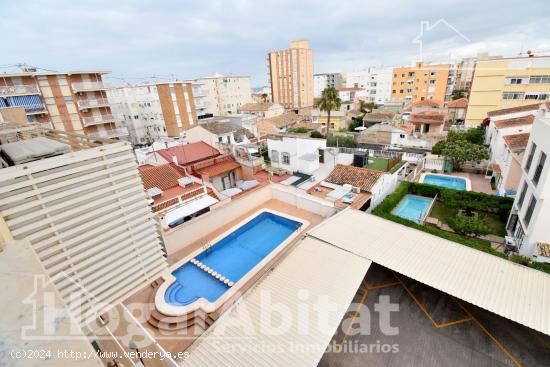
x: 154, y: 192
x: 185, y: 181
x: 355, y: 190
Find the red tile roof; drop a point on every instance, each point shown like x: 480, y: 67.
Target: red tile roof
x: 190, y: 153
x: 163, y: 176
x: 496, y: 168
x: 427, y: 117
x: 218, y: 167
x: 517, y: 142
x: 458, y: 103
x: 505, y: 111
x: 427, y: 103
x: 516, y: 121
x: 409, y: 128
x: 363, y: 178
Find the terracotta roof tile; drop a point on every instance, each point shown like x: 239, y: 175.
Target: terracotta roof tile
x: 217, y: 127
x: 427, y: 117
x: 163, y: 176
x: 219, y: 167
x: 458, y: 103
x: 256, y: 107
x: 516, y: 121
x: 517, y: 142
x: 286, y: 119
x: 378, y: 116
x: 363, y: 178
x: 409, y: 128
x: 189, y: 153
x: 544, y: 249
x: 505, y: 111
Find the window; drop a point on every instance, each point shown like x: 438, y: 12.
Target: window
x: 530, y: 210
x: 530, y: 157
x: 513, y: 95
x: 67, y: 99
x: 285, y: 158
x: 515, y: 80
x: 539, y: 79
x: 402, y: 136
x: 534, y: 95
x: 220, y: 139
x: 522, y: 195
x: 540, y: 167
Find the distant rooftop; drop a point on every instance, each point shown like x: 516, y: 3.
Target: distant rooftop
x: 513, y: 122
x: 517, y: 142
x: 505, y: 111
x: 363, y: 178
x: 189, y: 153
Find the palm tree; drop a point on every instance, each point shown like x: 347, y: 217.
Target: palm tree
x: 329, y: 102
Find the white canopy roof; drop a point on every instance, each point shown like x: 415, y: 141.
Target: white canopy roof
x: 189, y: 208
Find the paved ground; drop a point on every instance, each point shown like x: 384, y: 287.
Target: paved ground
x: 479, y: 182
x: 325, y: 168
x: 434, y: 330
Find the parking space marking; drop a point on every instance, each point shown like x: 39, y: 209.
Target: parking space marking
x: 357, y: 312
x: 491, y: 336
x: 540, y: 339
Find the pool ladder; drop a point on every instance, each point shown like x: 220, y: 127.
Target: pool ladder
x: 216, y: 275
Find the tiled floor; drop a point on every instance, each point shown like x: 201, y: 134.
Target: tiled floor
x: 479, y: 182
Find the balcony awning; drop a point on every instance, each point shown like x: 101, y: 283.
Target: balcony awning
x: 173, y: 217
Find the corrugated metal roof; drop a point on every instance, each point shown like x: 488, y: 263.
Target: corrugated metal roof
x: 319, y: 269
x: 510, y: 290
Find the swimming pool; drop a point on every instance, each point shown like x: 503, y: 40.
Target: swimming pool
x: 413, y: 207
x: 220, y: 269
x: 450, y: 182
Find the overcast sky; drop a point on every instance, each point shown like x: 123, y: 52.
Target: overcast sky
x: 143, y: 38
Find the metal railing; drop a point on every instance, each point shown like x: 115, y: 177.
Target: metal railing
x: 6, y: 91
x: 95, y: 120
x: 91, y: 103
x: 88, y: 86
x: 106, y: 134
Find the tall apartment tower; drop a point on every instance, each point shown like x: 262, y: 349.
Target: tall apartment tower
x: 157, y: 111
x: 291, y: 75
x: 225, y: 94
x: 80, y: 204
x: 67, y: 101
x: 421, y: 81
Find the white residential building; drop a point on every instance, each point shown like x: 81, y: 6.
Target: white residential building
x: 158, y: 111
x: 83, y: 209
x: 322, y: 81
x: 218, y: 133
x: 528, y: 222
x: 225, y: 95
x: 295, y: 153
x: 376, y: 81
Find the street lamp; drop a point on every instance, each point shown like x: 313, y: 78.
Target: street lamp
x: 132, y: 345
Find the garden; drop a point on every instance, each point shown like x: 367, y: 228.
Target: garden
x: 468, y: 215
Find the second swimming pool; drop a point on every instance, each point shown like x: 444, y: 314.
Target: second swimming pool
x: 413, y: 207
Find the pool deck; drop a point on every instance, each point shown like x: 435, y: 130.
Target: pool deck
x: 143, y: 297
x: 479, y: 182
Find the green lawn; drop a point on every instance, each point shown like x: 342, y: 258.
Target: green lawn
x: 378, y: 164
x: 442, y: 212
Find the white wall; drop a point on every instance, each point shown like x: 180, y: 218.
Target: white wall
x: 226, y: 94
x: 302, y: 200
x: 295, y: 147
x: 376, y: 81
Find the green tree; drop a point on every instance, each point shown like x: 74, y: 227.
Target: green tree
x: 468, y: 225
x: 460, y: 151
x: 329, y: 102
x: 459, y: 93
x: 438, y: 147
x: 341, y: 141
x: 316, y: 134
x: 264, y: 97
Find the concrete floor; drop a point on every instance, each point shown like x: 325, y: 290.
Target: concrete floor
x: 479, y: 182
x: 434, y: 330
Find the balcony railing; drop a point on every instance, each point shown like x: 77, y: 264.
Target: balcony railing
x: 96, y: 120
x: 115, y: 133
x: 19, y: 90
x: 91, y: 103
x: 88, y: 86
x: 35, y: 108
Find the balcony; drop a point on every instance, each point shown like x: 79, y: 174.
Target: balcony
x: 19, y: 90
x: 93, y: 103
x: 35, y: 109
x: 98, y: 120
x: 88, y: 86
x: 110, y: 134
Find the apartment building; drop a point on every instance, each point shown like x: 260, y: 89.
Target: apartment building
x: 422, y: 81
x: 224, y: 95
x: 507, y: 83
x: 465, y: 70
x: 158, y: 111
x: 291, y: 75
x: 528, y: 222
x: 67, y: 101
x: 322, y: 81
x: 376, y: 81
x: 81, y: 205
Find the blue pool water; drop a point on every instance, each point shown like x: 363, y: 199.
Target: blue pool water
x: 233, y: 257
x: 457, y: 183
x: 413, y: 207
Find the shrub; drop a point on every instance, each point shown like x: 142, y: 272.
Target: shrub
x: 468, y: 225
x: 438, y: 147
x: 316, y: 134
x: 520, y: 260
x: 342, y: 141
x: 299, y: 130
x: 493, y: 183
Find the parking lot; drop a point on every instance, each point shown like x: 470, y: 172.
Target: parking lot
x: 434, y: 329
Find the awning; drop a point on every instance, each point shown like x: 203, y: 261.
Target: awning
x: 189, y: 208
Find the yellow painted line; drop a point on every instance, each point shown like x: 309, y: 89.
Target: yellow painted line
x: 541, y: 340
x: 515, y: 361
x: 372, y: 287
x: 366, y: 292
x: 420, y: 305
x: 451, y: 323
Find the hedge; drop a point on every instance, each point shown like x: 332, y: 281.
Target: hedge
x: 460, y: 199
